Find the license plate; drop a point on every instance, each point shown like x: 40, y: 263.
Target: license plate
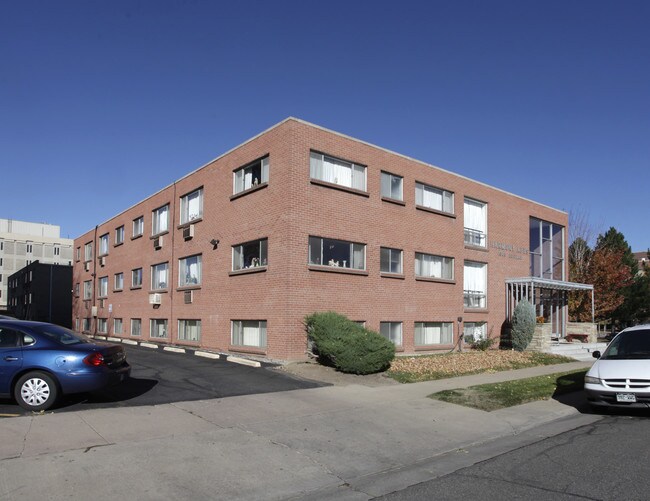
x: 625, y: 397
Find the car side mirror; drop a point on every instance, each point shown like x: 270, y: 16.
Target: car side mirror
x: 596, y: 354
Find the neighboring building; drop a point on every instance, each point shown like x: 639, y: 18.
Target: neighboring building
x: 642, y: 261
x: 22, y: 243
x: 300, y: 219
x: 41, y: 292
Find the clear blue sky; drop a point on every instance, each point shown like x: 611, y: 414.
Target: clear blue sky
x: 102, y: 103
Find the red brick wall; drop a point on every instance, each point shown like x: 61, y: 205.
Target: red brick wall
x: 287, y: 212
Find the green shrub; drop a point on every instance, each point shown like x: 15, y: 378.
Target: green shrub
x: 349, y: 347
x: 523, y: 325
x: 483, y: 344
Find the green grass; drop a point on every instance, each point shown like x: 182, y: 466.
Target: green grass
x: 490, y: 397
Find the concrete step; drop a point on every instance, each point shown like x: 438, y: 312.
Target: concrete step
x: 578, y: 351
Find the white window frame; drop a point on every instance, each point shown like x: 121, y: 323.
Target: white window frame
x: 475, y: 286
x: 118, y: 282
x: 393, y: 331
x: 245, y: 178
x: 87, y: 324
x: 433, y: 198
x: 318, y: 254
x: 160, y: 220
x: 189, y: 271
x: 388, y: 189
x: 189, y: 210
x: 88, y: 251
x: 432, y: 262
x: 136, y: 327
x: 249, y: 255
x: 138, y: 226
x: 434, y: 334
x: 189, y: 330
x: 474, y: 331
x: 158, y: 328
x: 102, y: 287
x: 119, y: 235
x: 118, y: 326
x: 103, y: 244
x: 242, y: 333
x: 136, y: 273
x: 387, y: 257
x: 334, y: 170
x: 475, y: 222
x: 88, y: 289
x: 160, y: 276
x: 102, y: 326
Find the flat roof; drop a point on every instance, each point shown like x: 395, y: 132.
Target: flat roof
x: 547, y: 283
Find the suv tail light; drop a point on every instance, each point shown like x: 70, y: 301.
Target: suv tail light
x: 95, y: 359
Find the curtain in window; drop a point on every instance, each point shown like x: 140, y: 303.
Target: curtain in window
x: 193, y: 205
x: 428, y: 266
x: 432, y: 198
x: 358, y: 261
x: 474, y: 214
x: 433, y: 333
x: 474, y: 279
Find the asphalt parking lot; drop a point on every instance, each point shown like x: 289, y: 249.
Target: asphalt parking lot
x: 161, y: 377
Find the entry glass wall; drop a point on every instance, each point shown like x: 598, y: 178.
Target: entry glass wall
x: 546, y: 250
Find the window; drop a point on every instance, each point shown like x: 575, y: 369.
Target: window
x: 546, y: 249
x: 102, y: 325
x: 475, y: 217
x: 138, y: 226
x: 431, y: 333
x: 103, y: 245
x: 434, y: 198
x: 117, y: 326
x: 136, y: 277
x: 475, y: 284
x: 250, y: 255
x: 86, y: 325
x: 159, y: 276
x: 102, y: 290
x: 249, y: 333
x: 119, y: 281
x: 88, y: 289
x: 78, y: 253
x: 88, y: 251
x: 391, y: 186
x: 77, y: 288
x: 30, y: 248
x: 390, y: 260
x: 136, y: 327
x: 57, y: 250
x: 474, y: 331
x: 189, y: 330
x: 337, y: 253
x: 160, y: 220
x: 189, y: 271
x: 335, y: 171
x: 251, y: 175
x: 430, y: 266
x: 158, y: 328
x: 391, y: 331
x: 119, y: 235
x: 192, y: 206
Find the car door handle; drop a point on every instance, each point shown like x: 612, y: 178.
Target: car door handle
x: 11, y: 359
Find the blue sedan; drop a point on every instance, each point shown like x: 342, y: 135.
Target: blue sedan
x: 40, y: 361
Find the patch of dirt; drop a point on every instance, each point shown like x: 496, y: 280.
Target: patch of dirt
x: 316, y: 372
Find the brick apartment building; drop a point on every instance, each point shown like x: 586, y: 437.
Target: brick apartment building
x: 300, y: 219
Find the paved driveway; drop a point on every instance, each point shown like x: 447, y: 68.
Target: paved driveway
x: 160, y: 377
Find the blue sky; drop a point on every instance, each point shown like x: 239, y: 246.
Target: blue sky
x: 102, y: 103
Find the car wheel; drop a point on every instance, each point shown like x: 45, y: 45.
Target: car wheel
x: 36, y: 391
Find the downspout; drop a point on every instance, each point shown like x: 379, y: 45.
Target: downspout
x: 171, y: 265
x: 94, y: 277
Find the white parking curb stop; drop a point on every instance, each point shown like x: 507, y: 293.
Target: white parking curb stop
x: 244, y: 361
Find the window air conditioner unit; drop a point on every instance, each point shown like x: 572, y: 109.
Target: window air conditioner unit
x: 157, y: 243
x: 155, y: 298
x: 94, y: 311
x: 188, y: 297
x: 102, y: 261
x: 188, y: 232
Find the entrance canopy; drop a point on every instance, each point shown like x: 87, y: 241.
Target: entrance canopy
x: 550, y: 298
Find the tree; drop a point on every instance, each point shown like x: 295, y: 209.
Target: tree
x: 610, y: 278
x: 523, y: 325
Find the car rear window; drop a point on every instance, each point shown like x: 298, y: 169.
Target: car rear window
x: 62, y: 335
x: 629, y: 345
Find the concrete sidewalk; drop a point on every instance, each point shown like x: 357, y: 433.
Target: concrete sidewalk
x: 337, y: 442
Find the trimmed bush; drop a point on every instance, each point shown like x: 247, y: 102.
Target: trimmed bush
x: 523, y: 325
x: 349, y: 347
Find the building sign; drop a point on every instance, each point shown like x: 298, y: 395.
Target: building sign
x: 510, y: 251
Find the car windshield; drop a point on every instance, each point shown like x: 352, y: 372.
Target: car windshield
x: 629, y: 345
x: 61, y: 335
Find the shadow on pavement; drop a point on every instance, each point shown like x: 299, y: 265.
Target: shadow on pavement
x: 127, y: 390
x: 578, y: 400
